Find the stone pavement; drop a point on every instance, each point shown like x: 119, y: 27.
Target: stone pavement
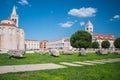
x: 33, y: 67
x: 69, y: 64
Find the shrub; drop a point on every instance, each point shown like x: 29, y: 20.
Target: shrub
x: 105, y: 44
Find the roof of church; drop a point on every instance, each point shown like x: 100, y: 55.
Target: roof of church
x: 14, y: 11
x: 89, y: 23
x: 8, y: 19
x: 104, y: 36
x: 8, y: 25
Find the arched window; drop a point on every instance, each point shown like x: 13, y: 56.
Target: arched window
x: 15, y: 20
x: 87, y: 28
x: 12, y: 19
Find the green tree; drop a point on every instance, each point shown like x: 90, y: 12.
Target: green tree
x: 117, y: 43
x: 81, y: 39
x: 95, y: 45
x: 105, y: 44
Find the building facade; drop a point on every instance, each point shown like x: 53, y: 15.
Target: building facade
x: 32, y: 44
x: 62, y: 44
x: 102, y: 37
x: 43, y: 44
x: 11, y: 36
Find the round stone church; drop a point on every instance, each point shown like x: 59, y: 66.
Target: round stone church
x: 11, y: 36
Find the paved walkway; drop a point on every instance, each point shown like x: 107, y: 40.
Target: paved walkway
x: 33, y: 67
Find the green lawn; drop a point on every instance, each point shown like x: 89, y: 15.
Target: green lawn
x: 38, y: 58
x: 110, y: 71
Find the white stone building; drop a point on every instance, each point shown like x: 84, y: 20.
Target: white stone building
x: 11, y: 36
x: 32, y: 44
x: 62, y: 44
x: 99, y: 37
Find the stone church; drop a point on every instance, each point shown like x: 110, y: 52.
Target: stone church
x: 11, y: 36
x: 99, y: 37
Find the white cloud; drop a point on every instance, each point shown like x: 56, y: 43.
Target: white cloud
x: 82, y: 23
x: 23, y: 2
x: 116, y: 17
x: 67, y: 24
x: 83, y: 12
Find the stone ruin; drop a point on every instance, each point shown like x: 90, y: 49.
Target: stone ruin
x: 16, y: 53
x: 101, y: 51
x: 54, y: 52
x: 82, y: 52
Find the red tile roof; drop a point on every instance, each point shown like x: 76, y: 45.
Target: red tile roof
x: 67, y: 39
x: 30, y: 40
x: 104, y: 36
x: 8, y: 19
x: 7, y: 25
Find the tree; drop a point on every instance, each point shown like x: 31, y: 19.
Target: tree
x: 105, y: 44
x: 81, y: 39
x: 117, y: 43
x: 95, y: 45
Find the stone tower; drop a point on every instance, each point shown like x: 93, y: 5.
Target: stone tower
x: 89, y: 27
x: 14, y: 16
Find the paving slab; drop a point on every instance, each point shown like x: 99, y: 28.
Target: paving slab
x: 95, y: 62
x: 83, y: 63
x: 32, y: 67
x: 69, y: 64
x: 111, y: 61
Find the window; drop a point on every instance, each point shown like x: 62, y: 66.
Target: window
x: 87, y: 28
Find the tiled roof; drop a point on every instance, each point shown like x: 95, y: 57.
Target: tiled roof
x: 44, y: 41
x: 8, y: 19
x: 7, y: 25
x: 104, y: 36
x: 67, y: 39
x: 30, y: 40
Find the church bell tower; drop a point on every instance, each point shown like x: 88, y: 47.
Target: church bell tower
x: 14, y: 16
x: 89, y: 27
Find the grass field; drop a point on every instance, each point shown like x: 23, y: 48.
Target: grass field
x: 110, y: 71
x: 38, y: 58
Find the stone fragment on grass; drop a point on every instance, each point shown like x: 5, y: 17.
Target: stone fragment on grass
x: 54, y: 52
x: 82, y: 52
x: 16, y: 53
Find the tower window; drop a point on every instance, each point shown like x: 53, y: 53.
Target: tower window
x: 15, y: 20
x: 12, y: 19
x: 87, y: 28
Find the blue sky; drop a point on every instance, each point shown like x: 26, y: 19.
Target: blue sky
x: 53, y: 19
